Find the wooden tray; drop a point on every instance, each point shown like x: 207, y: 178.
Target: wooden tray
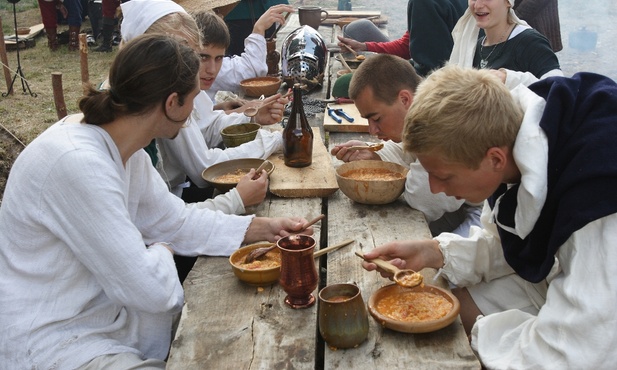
x: 358, y: 125
x: 316, y: 180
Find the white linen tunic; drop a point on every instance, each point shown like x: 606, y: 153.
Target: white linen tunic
x: 575, y: 327
x: 195, y: 148
x: 252, y: 63
x: 77, y: 278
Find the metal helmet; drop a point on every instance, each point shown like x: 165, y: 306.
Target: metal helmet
x: 304, y: 57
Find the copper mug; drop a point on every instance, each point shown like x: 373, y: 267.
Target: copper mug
x: 311, y: 16
x: 298, y: 272
x: 343, y: 320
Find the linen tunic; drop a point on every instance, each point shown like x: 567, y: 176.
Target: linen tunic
x: 195, y: 148
x: 252, y: 63
x: 77, y: 278
x: 575, y: 326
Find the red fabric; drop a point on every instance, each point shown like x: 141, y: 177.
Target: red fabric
x: 109, y: 8
x: 398, y: 47
x: 48, y: 13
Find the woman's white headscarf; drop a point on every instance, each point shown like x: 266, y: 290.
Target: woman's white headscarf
x: 465, y: 36
x: 138, y: 15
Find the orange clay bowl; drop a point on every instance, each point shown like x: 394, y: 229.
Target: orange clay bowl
x: 413, y: 327
x: 377, y: 191
x: 258, y: 86
x: 255, y: 277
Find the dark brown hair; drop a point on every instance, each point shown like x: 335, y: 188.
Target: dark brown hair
x: 386, y: 75
x: 144, y: 73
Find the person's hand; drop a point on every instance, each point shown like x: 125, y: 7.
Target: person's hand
x: 273, y: 229
x: 252, y: 187
x: 274, y: 14
x: 406, y: 254
x: 356, y: 45
x: 272, y: 113
x: 230, y: 105
x: 341, y: 152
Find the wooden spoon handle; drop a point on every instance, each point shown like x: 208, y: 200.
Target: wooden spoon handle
x: 380, y: 263
x: 321, y: 252
x: 312, y: 222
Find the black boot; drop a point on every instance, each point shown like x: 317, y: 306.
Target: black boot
x: 108, y: 29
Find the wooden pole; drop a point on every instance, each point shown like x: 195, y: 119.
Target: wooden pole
x: 5, y: 60
x: 83, y: 53
x: 56, y: 85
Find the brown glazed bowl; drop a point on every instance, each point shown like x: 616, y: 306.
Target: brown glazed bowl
x: 371, y: 191
x: 257, y: 276
x: 211, y: 173
x: 413, y: 327
x: 258, y: 86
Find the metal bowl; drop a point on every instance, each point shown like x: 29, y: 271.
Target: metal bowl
x: 211, y: 173
x: 371, y: 191
x: 413, y: 327
x: 256, y: 277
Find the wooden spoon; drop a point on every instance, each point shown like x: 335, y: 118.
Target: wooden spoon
x: 329, y: 249
x: 343, y: 62
x: 260, y: 168
x: 252, y: 111
x: 405, y: 278
x: 258, y: 252
x: 355, y: 53
x: 372, y: 147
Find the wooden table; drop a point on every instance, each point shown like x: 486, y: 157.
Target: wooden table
x: 226, y: 324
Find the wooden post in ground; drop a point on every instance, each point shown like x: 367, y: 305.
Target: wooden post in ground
x: 83, y: 53
x: 5, y: 60
x: 56, y: 85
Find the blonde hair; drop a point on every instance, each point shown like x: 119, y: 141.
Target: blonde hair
x: 460, y: 113
x: 179, y: 24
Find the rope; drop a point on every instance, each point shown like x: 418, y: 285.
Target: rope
x: 15, y: 73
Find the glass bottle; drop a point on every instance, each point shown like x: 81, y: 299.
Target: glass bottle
x: 298, y: 135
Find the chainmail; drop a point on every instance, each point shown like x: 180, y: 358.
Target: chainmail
x: 311, y: 107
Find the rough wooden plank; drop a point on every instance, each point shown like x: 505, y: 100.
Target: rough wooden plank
x: 316, y: 180
x: 228, y: 324
x: 358, y: 125
x: 372, y: 226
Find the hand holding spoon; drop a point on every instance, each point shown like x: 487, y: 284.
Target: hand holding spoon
x: 258, y: 252
x: 372, y: 147
x: 252, y: 111
x: 405, y: 278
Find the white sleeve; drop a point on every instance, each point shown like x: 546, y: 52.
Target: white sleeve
x: 251, y: 63
x: 229, y: 203
x: 476, y: 258
x: 515, y: 78
x: 575, y: 327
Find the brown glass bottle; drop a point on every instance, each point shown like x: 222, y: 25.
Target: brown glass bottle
x: 298, y: 135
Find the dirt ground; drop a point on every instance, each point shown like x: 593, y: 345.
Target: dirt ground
x: 25, y: 116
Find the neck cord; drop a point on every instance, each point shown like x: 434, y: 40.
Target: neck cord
x: 484, y: 61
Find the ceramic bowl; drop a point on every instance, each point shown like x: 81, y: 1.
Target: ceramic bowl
x: 232, y: 166
x: 257, y: 276
x: 23, y: 30
x: 371, y: 191
x: 258, y: 86
x: 239, y: 134
x: 413, y: 327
